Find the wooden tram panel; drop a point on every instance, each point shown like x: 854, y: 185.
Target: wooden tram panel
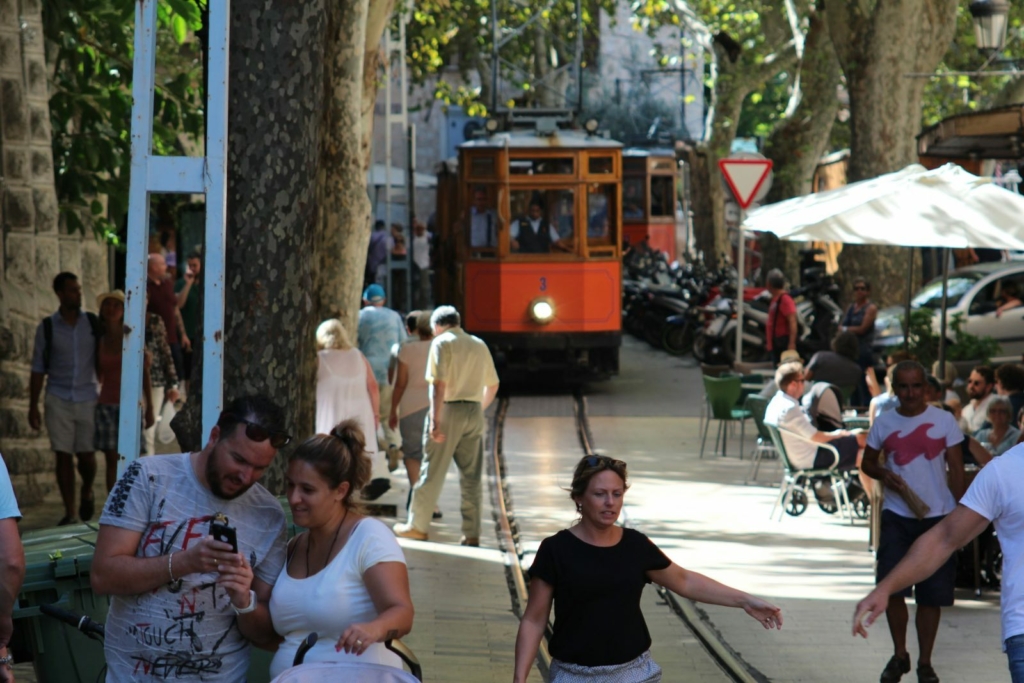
x: 578, y: 179
x: 650, y: 178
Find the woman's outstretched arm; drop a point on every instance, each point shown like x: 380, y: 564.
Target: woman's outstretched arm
x: 703, y: 589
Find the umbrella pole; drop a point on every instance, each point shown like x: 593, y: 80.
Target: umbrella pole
x: 910, y: 293
x: 942, y: 319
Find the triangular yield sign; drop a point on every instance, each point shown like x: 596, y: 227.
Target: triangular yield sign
x: 745, y: 177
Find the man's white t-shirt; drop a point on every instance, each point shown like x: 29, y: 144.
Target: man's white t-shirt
x: 786, y: 413
x: 995, y: 495
x: 915, y: 449
x: 974, y: 416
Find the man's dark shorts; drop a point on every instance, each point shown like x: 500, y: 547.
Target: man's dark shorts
x: 897, y: 535
x: 848, y: 449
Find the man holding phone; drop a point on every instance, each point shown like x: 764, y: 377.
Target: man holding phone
x: 180, y: 605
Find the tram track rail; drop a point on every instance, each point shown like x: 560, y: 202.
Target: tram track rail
x: 694, y: 619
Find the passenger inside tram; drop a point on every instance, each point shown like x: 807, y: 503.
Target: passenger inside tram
x: 533, y: 233
x: 483, y: 222
x: 633, y: 199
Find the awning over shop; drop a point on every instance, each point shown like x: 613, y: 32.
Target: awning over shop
x: 993, y: 134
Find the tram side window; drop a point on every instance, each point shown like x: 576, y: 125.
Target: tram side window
x: 482, y: 218
x: 542, y: 221
x: 633, y: 204
x: 663, y: 192
x: 600, y: 215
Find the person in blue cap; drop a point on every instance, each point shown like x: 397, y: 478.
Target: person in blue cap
x: 380, y: 329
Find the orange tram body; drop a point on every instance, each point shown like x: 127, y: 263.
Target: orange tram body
x: 530, y: 248
x: 649, y: 178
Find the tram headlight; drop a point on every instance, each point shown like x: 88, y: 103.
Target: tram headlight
x: 542, y: 310
x: 491, y: 126
x: 591, y: 126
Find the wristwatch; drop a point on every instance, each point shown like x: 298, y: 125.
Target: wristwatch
x: 7, y: 661
x: 250, y: 608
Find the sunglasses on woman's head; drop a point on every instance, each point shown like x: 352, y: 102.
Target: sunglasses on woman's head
x: 603, y: 461
x: 258, y: 433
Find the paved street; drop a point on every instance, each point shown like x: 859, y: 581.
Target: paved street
x: 704, y: 517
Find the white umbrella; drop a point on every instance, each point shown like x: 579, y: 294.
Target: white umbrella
x: 946, y: 207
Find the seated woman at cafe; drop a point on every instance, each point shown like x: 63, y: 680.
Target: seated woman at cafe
x: 993, y: 441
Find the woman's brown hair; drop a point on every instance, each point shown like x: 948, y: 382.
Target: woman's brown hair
x: 338, y: 457
x: 592, y: 465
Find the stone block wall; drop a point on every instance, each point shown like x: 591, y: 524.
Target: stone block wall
x: 35, y: 246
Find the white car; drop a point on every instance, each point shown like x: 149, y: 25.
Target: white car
x: 973, y: 292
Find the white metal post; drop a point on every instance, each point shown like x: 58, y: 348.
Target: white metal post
x: 189, y: 175
x: 740, y: 267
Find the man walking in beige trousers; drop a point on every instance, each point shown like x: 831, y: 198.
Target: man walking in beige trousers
x: 463, y: 382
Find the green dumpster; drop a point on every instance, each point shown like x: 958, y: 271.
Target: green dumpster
x: 57, y: 563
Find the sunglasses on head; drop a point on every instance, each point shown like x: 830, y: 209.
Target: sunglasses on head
x: 258, y: 433
x: 603, y: 461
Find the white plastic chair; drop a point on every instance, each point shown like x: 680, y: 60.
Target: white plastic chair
x: 794, y: 478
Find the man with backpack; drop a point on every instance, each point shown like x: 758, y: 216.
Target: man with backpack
x: 65, y: 353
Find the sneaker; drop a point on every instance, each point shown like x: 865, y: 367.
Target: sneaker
x: 895, y: 669
x: 407, y: 531
x: 394, y: 457
x: 926, y: 674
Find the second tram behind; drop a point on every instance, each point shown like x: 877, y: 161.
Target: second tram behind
x: 529, y: 229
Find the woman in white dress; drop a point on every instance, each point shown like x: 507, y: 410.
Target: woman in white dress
x: 345, y: 386
x: 346, y: 577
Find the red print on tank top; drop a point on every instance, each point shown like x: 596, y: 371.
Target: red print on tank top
x: 905, y: 449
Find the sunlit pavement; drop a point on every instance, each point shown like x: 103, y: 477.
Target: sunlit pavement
x: 816, y: 567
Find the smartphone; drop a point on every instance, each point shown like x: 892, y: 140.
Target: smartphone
x: 221, y: 531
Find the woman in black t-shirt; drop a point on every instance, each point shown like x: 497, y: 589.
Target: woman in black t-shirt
x: 595, y: 573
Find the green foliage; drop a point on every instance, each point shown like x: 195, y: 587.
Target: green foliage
x: 629, y: 118
x: 459, y: 34
x: 949, y: 95
x: 924, y: 342
x: 967, y: 346
x: 89, y: 50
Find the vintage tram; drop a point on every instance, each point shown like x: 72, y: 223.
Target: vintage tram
x: 529, y: 228
x: 649, y: 180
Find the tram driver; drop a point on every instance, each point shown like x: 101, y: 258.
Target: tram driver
x: 534, y: 234
x: 483, y: 222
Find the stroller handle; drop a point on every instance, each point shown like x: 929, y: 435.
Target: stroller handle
x: 407, y: 656
x: 396, y: 646
x: 79, y: 621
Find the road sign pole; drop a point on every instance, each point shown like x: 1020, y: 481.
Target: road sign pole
x: 740, y: 268
x: 746, y: 175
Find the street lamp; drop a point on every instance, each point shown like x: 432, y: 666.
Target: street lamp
x: 990, y: 19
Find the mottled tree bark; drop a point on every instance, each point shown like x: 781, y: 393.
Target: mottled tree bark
x: 343, y: 235
x: 796, y: 146
x: 275, y: 119
x: 872, y: 40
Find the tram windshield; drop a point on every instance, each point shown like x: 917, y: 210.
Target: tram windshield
x: 663, y: 193
x: 633, y: 204
x: 542, y: 221
x: 601, y: 214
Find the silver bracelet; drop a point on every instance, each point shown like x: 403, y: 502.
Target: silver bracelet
x: 7, y: 661
x: 170, y: 573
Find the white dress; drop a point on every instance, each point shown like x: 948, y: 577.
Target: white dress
x: 332, y: 600
x: 341, y: 393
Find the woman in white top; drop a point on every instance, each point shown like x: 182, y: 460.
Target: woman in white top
x: 345, y: 386
x: 346, y: 577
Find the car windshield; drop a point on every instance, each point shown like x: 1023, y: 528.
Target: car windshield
x: 931, y: 295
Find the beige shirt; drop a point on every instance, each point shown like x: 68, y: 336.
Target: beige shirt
x: 414, y: 355
x: 463, y: 362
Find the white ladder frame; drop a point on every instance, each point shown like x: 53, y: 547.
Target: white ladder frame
x: 152, y: 174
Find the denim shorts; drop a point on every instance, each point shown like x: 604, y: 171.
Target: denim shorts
x: 1015, y: 654
x: 643, y: 669
x: 897, y: 535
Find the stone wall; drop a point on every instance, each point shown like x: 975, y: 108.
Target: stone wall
x: 34, y: 245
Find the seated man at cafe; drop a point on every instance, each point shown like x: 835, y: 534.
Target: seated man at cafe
x: 785, y: 412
